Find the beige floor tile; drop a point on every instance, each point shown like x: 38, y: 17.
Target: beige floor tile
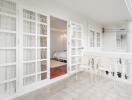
x: 84, y: 88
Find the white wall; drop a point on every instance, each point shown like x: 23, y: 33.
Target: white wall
x: 58, y: 42
x: 109, y: 42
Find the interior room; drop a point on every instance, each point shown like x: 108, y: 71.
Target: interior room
x: 58, y: 47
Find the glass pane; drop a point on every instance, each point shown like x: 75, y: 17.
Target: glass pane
x: 74, y: 34
x: 42, y: 29
x: 78, y: 28
x: 8, y: 88
x: 7, y: 56
x: 7, y: 23
x: 28, y: 14
x: 42, y: 41
x: 7, y: 40
x: 79, y: 35
x: 42, y: 18
x: 73, y: 43
x: 29, y: 27
x: 29, y: 68
x: 2, y: 74
x: 73, y: 52
x: 42, y: 53
x: 42, y: 76
x: 98, y: 39
x: 73, y: 60
x: 11, y: 87
x: 2, y: 90
x: 78, y: 59
x: 92, y: 39
x: 42, y: 66
x: 29, y: 54
x: 29, y: 80
x: 29, y: 41
x: 11, y: 72
x: 78, y: 52
x: 78, y: 43
x: 10, y: 56
x: 8, y: 6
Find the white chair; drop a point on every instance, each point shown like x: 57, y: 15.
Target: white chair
x: 105, y: 64
x: 89, y: 63
x: 85, y: 65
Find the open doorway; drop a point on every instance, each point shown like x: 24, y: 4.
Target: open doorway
x: 58, y: 47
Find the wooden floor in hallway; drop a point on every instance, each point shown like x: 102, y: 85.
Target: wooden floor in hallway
x: 84, y: 88
x: 58, y: 71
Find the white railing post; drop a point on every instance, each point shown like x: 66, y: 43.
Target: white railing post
x: 130, y: 70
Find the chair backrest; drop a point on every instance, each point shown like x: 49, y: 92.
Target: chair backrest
x: 93, y: 62
x: 106, y: 63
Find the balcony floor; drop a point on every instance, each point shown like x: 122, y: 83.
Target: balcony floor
x: 82, y: 89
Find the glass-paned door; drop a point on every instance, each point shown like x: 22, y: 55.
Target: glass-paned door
x: 35, y: 47
x: 8, y: 49
x: 75, y: 45
x: 98, y: 39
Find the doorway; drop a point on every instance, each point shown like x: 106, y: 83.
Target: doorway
x: 58, y: 47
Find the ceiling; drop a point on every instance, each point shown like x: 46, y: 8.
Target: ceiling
x: 102, y: 11
x: 57, y: 24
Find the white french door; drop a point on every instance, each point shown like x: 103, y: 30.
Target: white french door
x: 24, y: 55
x: 8, y: 47
x: 35, y: 47
x: 76, y: 31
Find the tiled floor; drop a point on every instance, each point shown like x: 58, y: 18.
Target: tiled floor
x: 82, y: 89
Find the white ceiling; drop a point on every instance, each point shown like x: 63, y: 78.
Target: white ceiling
x: 102, y: 11
x: 57, y: 24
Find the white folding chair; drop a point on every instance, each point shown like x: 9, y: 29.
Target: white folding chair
x: 105, y: 64
x: 84, y: 63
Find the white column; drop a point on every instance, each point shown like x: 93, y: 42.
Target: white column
x: 129, y: 48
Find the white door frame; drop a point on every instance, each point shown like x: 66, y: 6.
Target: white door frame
x: 68, y: 46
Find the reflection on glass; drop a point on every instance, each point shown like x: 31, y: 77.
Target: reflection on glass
x: 28, y: 14
x: 42, y: 53
x: 29, y: 41
x: 9, y: 72
x: 42, y: 29
x: 42, y: 18
x: 29, y: 27
x: 42, y: 76
x: 29, y: 54
x: 42, y: 41
x: 29, y: 68
x: 8, y: 6
x: 7, y: 40
x: 42, y: 66
x: 7, y: 23
x: 29, y: 80
x: 7, y: 56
